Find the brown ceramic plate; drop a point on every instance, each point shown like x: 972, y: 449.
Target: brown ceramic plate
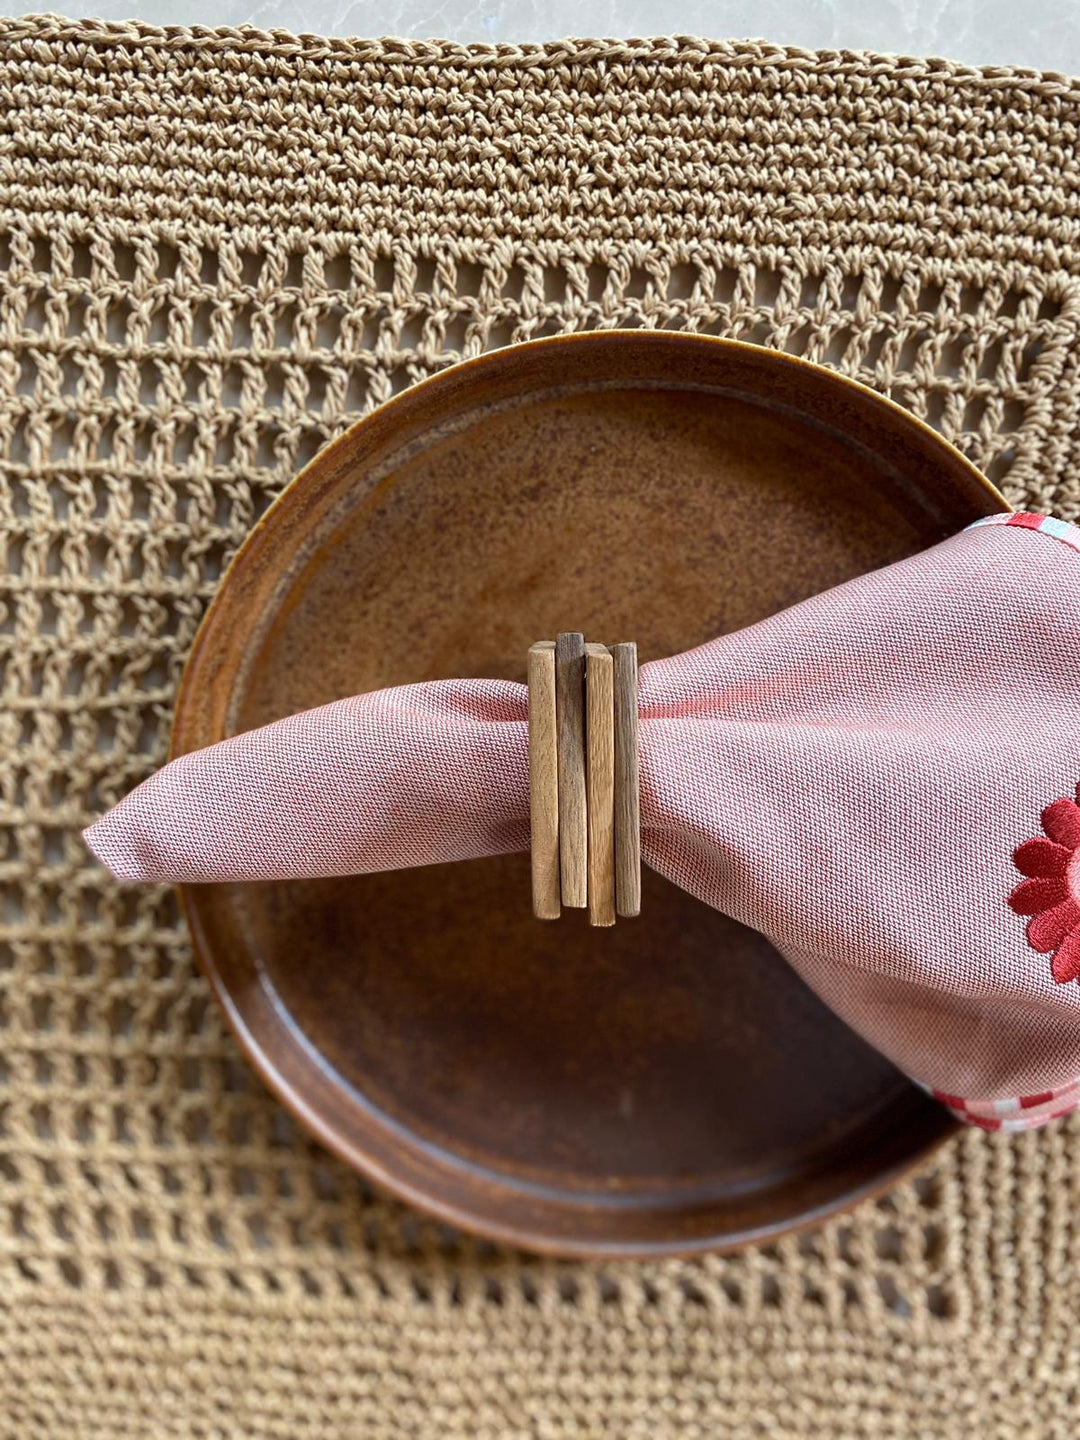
x: 669, y: 1085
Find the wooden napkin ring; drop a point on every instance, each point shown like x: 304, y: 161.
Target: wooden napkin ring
x: 583, y: 779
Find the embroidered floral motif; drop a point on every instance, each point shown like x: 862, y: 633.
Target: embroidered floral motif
x: 1051, y: 893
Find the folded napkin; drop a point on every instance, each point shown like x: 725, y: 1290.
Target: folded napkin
x: 882, y: 779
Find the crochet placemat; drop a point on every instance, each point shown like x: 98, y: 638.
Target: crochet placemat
x: 216, y: 250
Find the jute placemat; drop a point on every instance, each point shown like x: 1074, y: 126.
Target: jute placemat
x: 217, y: 250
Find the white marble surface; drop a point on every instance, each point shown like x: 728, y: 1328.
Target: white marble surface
x: 1044, y: 34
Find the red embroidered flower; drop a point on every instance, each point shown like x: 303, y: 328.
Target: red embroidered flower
x: 1051, y: 894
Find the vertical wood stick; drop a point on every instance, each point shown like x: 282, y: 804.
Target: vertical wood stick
x: 543, y: 782
x: 600, y: 778
x: 570, y: 712
x: 627, y: 784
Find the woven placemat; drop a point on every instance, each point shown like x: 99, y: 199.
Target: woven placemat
x: 216, y: 250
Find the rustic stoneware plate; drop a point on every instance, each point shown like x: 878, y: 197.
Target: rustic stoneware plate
x: 666, y: 1086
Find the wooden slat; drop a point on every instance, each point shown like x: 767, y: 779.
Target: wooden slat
x: 600, y: 782
x: 627, y: 783
x: 570, y: 715
x: 543, y: 782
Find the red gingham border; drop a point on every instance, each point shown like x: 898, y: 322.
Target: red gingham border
x: 1062, y: 530
x: 1014, y: 1113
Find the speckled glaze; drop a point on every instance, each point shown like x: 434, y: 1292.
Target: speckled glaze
x: 574, y: 1090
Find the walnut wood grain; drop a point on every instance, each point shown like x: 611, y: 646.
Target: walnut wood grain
x: 627, y: 783
x: 543, y: 782
x: 570, y: 714
x: 600, y: 782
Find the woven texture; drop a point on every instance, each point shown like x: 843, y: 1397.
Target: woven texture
x: 217, y: 250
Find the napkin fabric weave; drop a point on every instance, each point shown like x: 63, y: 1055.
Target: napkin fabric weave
x: 855, y: 777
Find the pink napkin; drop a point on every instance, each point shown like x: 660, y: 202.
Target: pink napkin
x: 883, y: 780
